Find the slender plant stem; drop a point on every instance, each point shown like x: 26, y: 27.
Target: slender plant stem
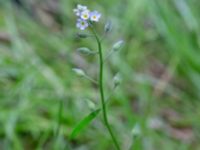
x: 101, y: 90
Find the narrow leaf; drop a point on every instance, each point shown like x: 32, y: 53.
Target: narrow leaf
x: 83, y: 123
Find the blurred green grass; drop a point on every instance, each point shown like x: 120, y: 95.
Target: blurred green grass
x: 159, y: 64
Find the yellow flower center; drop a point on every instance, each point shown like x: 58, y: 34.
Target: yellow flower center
x: 85, y: 16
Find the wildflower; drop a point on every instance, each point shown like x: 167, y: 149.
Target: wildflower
x: 82, y: 24
x: 80, y: 9
x: 95, y: 16
x: 85, y: 15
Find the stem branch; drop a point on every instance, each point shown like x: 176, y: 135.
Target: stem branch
x: 101, y: 90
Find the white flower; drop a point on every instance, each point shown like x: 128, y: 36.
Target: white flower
x: 85, y: 15
x: 82, y: 24
x: 79, y: 9
x: 95, y: 16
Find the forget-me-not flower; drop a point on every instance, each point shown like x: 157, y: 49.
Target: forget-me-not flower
x: 85, y: 16
x: 95, y: 16
x: 82, y: 24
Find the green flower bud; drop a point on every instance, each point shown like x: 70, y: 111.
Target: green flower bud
x: 108, y: 27
x: 117, y: 80
x: 79, y: 72
x: 85, y: 50
x: 118, y: 45
x: 82, y: 35
x: 136, y: 131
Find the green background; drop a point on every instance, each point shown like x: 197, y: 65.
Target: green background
x: 155, y: 108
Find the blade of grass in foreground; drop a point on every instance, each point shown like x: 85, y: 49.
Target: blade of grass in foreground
x: 83, y: 123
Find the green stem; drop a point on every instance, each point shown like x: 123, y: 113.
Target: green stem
x: 101, y: 90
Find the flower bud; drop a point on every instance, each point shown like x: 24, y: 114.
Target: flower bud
x: 108, y: 27
x: 85, y: 50
x: 79, y: 72
x: 117, y: 80
x: 136, y: 131
x: 82, y: 35
x: 118, y: 45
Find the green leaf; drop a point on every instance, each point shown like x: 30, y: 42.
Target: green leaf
x: 83, y: 123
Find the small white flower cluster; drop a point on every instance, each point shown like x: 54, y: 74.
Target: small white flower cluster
x: 85, y: 15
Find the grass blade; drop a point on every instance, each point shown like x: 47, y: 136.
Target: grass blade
x: 83, y: 123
